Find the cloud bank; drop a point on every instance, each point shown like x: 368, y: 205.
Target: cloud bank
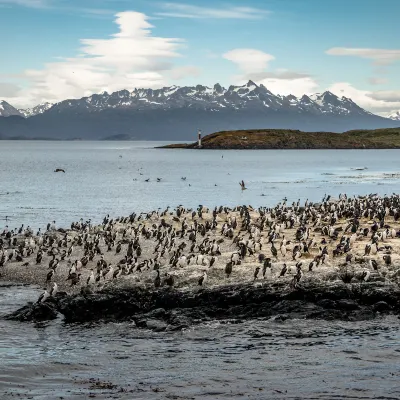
x: 253, y: 64
x: 130, y: 58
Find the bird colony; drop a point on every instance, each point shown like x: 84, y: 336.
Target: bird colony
x: 349, y: 239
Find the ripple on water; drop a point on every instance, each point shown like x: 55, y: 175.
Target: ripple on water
x: 255, y: 359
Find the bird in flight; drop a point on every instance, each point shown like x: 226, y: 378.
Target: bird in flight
x: 242, y: 185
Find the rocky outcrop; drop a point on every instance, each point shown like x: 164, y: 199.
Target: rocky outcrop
x: 169, y: 309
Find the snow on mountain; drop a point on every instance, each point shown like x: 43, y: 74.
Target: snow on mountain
x: 39, y: 109
x: 249, y: 96
x: 395, y: 115
x: 7, y: 110
x: 216, y: 98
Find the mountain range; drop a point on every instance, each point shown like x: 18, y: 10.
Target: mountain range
x: 176, y: 113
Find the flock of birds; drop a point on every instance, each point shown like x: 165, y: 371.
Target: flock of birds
x: 173, y: 247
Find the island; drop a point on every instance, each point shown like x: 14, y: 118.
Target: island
x: 295, y: 139
x: 167, y: 270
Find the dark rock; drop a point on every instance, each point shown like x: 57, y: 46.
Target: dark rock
x: 169, y: 309
x: 35, y: 312
x: 327, y: 303
x: 348, y: 305
x: 381, y: 306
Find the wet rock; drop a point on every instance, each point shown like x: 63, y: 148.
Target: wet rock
x: 35, y: 312
x: 169, y: 309
x: 346, y: 304
x: 156, y: 325
x: 381, y: 306
x: 327, y: 303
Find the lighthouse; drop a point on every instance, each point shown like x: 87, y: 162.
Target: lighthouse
x: 199, y: 138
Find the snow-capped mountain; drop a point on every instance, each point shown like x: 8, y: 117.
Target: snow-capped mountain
x: 39, y: 109
x: 175, y: 113
x: 395, y: 115
x: 217, y: 98
x: 7, y: 110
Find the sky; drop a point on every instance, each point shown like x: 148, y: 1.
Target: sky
x: 52, y: 50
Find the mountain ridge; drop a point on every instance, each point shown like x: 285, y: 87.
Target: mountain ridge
x: 176, y: 112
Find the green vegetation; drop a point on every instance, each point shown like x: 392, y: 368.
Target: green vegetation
x: 388, y: 138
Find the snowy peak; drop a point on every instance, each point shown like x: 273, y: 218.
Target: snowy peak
x: 39, y: 109
x: 395, y: 115
x: 248, y: 96
x: 7, y: 110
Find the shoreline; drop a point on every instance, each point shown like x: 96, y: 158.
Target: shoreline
x: 280, y: 139
x: 125, y: 255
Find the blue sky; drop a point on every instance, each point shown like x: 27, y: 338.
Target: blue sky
x: 57, y: 49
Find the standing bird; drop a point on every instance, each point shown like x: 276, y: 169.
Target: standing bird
x: 50, y: 275
x: 274, y: 252
x: 373, y: 264
x: 203, y: 279
x: 54, y: 289
x: 169, y: 280
x: 43, y: 297
x: 228, y: 269
x: 91, y: 279
x: 157, y: 280
x: 283, y: 271
x: 267, y: 264
x: 256, y: 273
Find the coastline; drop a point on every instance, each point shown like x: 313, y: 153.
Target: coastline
x: 279, y: 139
x: 334, y: 289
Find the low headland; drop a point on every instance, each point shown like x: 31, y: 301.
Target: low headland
x: 294, y: 139
x: 166, y: 270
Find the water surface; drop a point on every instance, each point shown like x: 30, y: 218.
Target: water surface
x: 109, y: 178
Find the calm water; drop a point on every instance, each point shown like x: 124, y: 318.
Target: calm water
x: 295, y: 359
x: 104, y: 178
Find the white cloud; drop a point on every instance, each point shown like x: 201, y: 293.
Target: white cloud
x: 130, y: 58
x: 377, y: 81
x: 367, y: 99
x: 179, y: 73
x: 253, y: 65
x: 387, y: 96
x: 249, y: 60
x: 297, y: 87
x: 179, y: 10
x: 8, y: 89
x: 380, y: 56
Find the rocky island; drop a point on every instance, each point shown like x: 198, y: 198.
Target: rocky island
x: 294, y: 139
x: 166, y: 270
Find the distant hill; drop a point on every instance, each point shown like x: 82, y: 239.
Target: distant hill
x: 176, y: 113
x: 294, y: 139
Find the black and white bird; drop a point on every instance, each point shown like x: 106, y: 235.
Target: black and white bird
x: 50, y: 275
x: 228, y: 269
x: 43, y: 297
x: 91, y: 278
x: 203, y: 279
x: 256, y: 272
x: 242, y: 185
x: 54, y: 289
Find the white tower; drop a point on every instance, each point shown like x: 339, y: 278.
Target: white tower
x: 199, y: 138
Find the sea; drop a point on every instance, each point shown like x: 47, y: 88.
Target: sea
x: 259, y: 359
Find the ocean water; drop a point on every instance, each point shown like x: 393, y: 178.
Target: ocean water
x: 109, y: 178
x: 293, y: 359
